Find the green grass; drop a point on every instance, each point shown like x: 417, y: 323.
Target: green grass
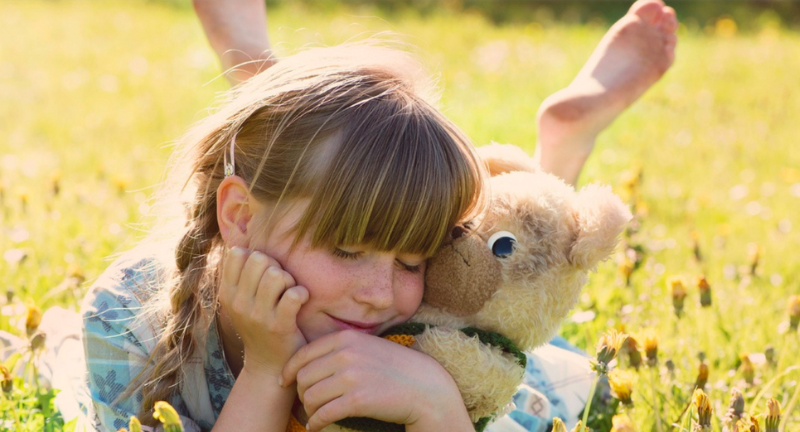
x: 94, y: 92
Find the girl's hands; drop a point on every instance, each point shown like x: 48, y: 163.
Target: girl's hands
x: 262, y: 301
x: 351, y: 374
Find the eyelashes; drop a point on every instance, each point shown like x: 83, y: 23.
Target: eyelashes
x: 355, y: 255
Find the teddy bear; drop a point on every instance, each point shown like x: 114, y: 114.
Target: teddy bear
x: 503, y: 283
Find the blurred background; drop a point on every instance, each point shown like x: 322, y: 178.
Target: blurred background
x: 93, y: 93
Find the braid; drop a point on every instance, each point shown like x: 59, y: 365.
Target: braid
x: 188, y: 299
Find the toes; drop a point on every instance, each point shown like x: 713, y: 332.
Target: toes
x: 669, y: 22
x: 649, y: 11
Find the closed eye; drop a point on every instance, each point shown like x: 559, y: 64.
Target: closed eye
x: 408, y: 267
x: 345, y: 254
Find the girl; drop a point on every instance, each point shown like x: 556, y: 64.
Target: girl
x: 310, y: 203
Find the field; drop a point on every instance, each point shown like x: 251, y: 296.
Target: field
x: 93, y: 93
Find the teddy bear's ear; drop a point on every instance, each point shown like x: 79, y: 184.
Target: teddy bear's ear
x: 504, y: 158
x: 601, y: 216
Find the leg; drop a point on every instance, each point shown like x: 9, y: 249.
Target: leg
x: 237, y: 31
x: 631, y: 57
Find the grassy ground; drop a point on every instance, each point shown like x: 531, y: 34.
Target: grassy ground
x: 92, y: 94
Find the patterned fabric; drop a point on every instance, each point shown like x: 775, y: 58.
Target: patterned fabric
x: 115, y: 355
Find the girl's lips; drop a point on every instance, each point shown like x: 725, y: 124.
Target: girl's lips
x: 368, y: 328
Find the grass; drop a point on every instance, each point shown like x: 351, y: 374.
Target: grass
x: 94, y: 92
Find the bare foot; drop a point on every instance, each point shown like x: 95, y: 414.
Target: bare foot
x: 631, y: 57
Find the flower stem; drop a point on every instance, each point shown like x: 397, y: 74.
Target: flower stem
x: 656, y: 403
x: 589, y: 401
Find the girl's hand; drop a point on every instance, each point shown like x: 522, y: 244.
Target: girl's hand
x: 351, y: 374
x: 262, y: 301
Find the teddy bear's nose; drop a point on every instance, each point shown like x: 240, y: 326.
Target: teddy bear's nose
x: 458, y: 231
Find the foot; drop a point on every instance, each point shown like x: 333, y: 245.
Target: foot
x: 631, y: 57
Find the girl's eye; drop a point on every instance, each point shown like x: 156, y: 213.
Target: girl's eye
x: 410, y: 268
x: 345, y: 254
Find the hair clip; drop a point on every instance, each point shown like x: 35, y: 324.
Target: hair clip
x: 229, y: 167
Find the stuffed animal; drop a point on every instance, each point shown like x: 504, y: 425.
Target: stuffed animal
x: 504, y: 282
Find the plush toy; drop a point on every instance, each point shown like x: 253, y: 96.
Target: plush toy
x: 504, y: 282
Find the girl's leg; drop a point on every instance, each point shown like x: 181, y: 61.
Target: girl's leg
x: 631, y: 57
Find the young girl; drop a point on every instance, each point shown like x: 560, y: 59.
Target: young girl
x: 310, y: 203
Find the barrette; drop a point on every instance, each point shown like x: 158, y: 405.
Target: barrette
x: 230, y: 167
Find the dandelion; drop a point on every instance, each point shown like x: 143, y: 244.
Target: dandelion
x: 622, y: 423
x: 634, y: 356
x: 705, y: 291
x: 626, y: 267
x: 37, y: 341
x: 696, y: 247
x: 7, y: 380
x: 166, y: 414
x: 702, y: 377
x: 56, y: 183
x: 754, y: 426
x: 794, y: 312
x: 621, y: 382
x: 748, y: 371
x: 678, y: 291
x: 32, y: 320
x: 134, y: 425
x: 735, y: 408
x: 703, y: 408
x: 651, y: 347
x: 607, y: 348
x: 670, y: 365
x: 558, y: 425
x: 769, y: 354
x: 579, y: 427
x: 773, y: 418
x: 23, y: 200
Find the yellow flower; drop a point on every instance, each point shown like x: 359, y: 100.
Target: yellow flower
x: 634, y: 356
x: 135, y: 425
x: 678, y: 291
x: 753, y: 256
x: 579, y: 427
x: 7, y: 380
x: 166, y: 414
x: 703, y: 407
x: 607, y: 348
x: 621, y: 382
x: 702, y: 377
x: 773, y: 416
x: 735, y: 408
x: 558, y: 425
x: 794, y: 312
x: 747, y: 369
x: 705, y: 291
x: 622, y: 423
x: 32, y: 320
x: 651, y: 346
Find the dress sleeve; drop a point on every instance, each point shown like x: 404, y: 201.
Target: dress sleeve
x: 116, y: 346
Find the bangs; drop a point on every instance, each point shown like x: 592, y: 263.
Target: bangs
x: 400, y: 177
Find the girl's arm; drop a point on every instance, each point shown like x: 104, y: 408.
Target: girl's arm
x: 351, y: 374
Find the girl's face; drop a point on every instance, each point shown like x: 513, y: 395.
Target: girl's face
x: 350, y: 287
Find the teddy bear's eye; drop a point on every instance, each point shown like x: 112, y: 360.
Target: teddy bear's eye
x: 502, y: 243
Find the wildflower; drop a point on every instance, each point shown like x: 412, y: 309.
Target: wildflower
x: 754, y: 426
x: 134, y: 425
x: 747, y: 369
x: 705, y: 291
x: 670, y: 365
x: 607, y: 348
x: 23, y: 200
x: 703, y: 408
x: 773, y: 418
x: 7, y: 380
x: 558, y: 425
x: 735, y: 408
x: 579, y: 427
x: 621, y: 382
x: 753, y: 256
x: 634, y: 356
x: 794, y: 312
x: 702, y: 377
x: 769, y: 354
x: 9, y: 295
x: 622, y: 423
x: 33, y: 319
x: 626, y: 267
x: 678, y: 291
x: 696, y: 247
x: 166, y: 414
x: 651, y: 347
x: 56, y: 178
x: 37, y: 341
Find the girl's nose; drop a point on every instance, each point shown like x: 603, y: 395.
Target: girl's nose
x: 377, y: 290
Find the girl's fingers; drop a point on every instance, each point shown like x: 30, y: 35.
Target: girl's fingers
x: 272, y: 286
x: 313, y: 351
x: 252, y: 272
x: 321, y: 393
x: 332, y: 411
x: 289, y: 305
x: 234, y: 262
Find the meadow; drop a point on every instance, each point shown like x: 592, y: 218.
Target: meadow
x: 92, y: 94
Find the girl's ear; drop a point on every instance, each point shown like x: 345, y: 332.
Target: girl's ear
x: 235, y: 208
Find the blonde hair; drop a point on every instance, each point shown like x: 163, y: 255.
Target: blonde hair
x: 347, y: 128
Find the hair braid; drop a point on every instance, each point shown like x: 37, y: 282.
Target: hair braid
x: 189, y: 299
